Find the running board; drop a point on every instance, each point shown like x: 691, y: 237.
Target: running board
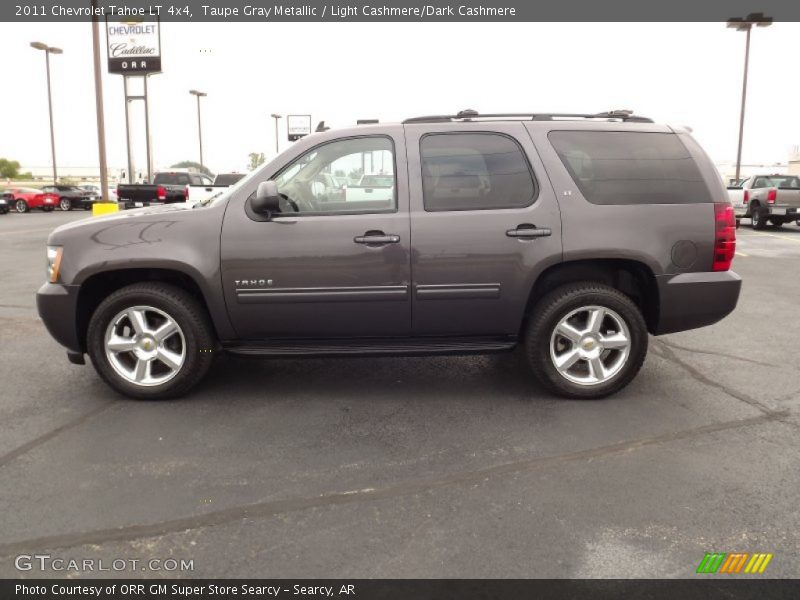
x: 372, y: 347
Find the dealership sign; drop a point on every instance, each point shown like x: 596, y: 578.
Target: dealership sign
x: 134, y: 47
x: 298, y: 126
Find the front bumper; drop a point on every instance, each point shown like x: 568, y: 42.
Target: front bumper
x: 58, y: 307
x: 692, y: 300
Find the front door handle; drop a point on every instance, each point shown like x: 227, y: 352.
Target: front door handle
x: 377, y: 238
x: 529, y: 231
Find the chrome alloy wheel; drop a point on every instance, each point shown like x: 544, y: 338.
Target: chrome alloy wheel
x: 145, y: 346
x: 590, y: 345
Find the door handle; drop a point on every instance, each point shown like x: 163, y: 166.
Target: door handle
x: 377, y: 238
x: 529, y: 231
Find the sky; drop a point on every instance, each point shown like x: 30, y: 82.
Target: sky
x: 687, y: 74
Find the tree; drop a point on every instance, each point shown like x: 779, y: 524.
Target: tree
x: 190, y: 164
x: 9, y: 169
x: 256, y: 160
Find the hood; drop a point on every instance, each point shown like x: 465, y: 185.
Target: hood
x: 90, y: 225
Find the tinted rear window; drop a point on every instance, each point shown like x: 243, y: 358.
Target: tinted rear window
x: 474, y: 171
x: 228, y: 178
x: 171, y: 178
x: 616, y: 167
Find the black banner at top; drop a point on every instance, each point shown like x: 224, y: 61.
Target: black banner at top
x: 395, y: 10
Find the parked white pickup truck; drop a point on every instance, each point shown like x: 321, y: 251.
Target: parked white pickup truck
x: 773, y: 199
x: 371, y: 187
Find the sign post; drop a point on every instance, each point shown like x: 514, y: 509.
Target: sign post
x: 134, y: 50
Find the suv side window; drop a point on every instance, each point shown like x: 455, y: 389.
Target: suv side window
x: 474, y: 171
x: 347, y: 176
x: 625, y: 167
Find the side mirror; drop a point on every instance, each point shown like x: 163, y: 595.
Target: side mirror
x: 267, y: 199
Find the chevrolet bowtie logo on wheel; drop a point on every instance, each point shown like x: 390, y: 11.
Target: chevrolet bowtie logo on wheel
x: 734, y: 562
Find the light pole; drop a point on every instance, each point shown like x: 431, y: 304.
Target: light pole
x: 199, y: 127
x: 98, y: 100
x: 746, y: 24
x: 48, y: 50
x: 276, y: 117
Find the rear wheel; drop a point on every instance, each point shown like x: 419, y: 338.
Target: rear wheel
x: 21, y: 206
x: 65, y: 204
x: 758, y: 218
x: 586, y: 340
x: 151, y: 341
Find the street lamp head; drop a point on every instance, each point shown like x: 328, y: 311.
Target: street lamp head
x: 746, y: 23
x: 197, y: 93
x: 276, y: 116
x: 46, y: 48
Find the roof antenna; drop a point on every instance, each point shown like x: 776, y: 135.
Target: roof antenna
x: 321, y: 127
x: 467, y: 113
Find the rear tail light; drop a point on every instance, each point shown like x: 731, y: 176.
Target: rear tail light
x: 772, y: 195
x: 724, y: 236
x: 186, y: 193
x: 161, y: 192
x: 117, y: 192
x: 746, y: 197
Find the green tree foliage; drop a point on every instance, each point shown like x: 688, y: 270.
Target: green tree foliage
x: 256, y: 160
x: 9, y: 168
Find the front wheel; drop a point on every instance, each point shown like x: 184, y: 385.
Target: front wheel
x: 151, y: 341
x: 21, y: 206
x: 65, y: 204
x: 586, y: 340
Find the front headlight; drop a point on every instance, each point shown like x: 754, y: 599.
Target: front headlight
x: 53, y: 262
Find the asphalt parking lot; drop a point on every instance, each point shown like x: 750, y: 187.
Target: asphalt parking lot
x: 412, y: 467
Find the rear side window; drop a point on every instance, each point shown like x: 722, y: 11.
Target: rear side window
x: 474, y: 171
x: 616, y: 167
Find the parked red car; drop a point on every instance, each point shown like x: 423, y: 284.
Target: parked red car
x: 25, y: 199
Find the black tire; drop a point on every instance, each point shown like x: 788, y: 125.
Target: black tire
x: 65, y: 204
x: 21, y: 206
x: 559, y: 303
x: 184, y: 309
x: 758, y: 219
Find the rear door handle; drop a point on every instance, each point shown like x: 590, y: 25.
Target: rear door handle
x: 528, y: 231
x: 377, y: 238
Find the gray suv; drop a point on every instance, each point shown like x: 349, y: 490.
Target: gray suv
x: 570, y: 236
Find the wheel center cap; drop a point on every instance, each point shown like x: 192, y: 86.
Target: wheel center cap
x: 146, y: 346
x: 589, y: 344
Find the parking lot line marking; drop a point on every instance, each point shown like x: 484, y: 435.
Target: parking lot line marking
x: 742, y: 254
x: 783, y: 237
x: 270, y: 508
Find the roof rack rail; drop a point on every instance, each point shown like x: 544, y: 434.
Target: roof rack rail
x: 469, y: 114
